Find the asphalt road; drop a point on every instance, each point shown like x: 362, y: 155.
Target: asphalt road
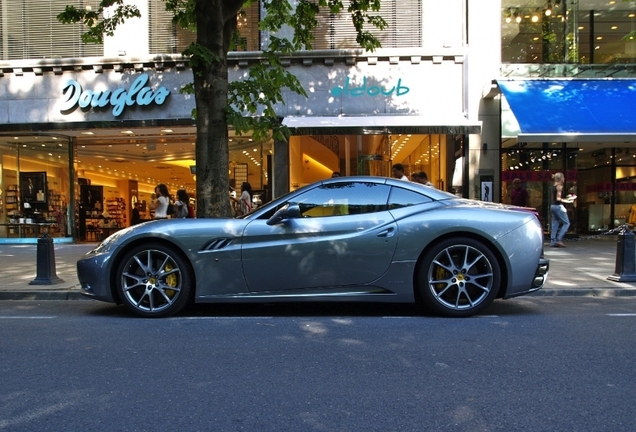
x: 535, y: 364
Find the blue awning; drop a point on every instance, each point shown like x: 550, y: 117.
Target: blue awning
x: 573, y: 109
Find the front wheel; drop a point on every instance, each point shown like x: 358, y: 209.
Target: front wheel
x: 458, y: 277
x: 154, y: 281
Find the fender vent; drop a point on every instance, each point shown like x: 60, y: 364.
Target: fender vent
x: 217, y: 244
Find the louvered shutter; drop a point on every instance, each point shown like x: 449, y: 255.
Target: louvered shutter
x: 30, y: 30
x: 168, y: 38
x: 404, y: 18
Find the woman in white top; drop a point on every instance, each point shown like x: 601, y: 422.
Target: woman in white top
x: 160, y: 205
x: 246, y: 198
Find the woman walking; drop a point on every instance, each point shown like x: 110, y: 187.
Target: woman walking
x: 560, y: 221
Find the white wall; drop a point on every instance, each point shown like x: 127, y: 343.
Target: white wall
x: 131, y: 38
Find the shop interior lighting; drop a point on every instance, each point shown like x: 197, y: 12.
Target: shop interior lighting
x: 535, y: 16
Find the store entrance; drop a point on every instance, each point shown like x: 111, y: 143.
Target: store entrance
x: 316, y: 157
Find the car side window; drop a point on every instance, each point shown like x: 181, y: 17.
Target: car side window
x: 338, y: 199
x: 404, y: 198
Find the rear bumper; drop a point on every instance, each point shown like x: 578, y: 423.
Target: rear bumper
x: 539, y: 279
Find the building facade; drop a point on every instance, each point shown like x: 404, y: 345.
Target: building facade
x: 568, y: 79
x: 100, y: 131
x: 97, y: 127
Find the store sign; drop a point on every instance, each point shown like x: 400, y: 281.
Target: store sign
x: 348, y: 90
x: 608, y: 187
x: 537, y: 176
x: 137, y: 94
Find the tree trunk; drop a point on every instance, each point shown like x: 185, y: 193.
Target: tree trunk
x: 216, y: 21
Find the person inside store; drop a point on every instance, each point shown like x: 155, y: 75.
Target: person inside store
x: 519, y: 196
x: 398, y: 172
x: 182, y: 203
x: 335, y: 174
x: 560, y: 221
x: 136, y: 214
x: 161, y: 203
x: 422, y: 178
x: 245, y: 200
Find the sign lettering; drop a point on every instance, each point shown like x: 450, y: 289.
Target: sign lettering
x: 537, y: 176
x: 119, y: 99
x: 349, y: 90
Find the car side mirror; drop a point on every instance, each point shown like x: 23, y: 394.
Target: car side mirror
x: 286, y: 212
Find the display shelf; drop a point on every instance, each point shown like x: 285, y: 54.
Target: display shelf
x: 116, y: 208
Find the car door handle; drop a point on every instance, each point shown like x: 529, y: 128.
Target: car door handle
x: 387, y: 233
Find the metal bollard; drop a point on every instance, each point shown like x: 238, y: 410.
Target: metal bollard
x: 46, y: 273
x: 625, y: 270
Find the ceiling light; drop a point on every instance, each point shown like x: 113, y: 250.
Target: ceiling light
x: 88, y: 133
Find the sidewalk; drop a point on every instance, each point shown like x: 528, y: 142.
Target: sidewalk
x: 580, y: 269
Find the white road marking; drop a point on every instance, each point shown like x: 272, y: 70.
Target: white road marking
x: 622, y: 314
x: 27, y: 317
x: 218, y: 318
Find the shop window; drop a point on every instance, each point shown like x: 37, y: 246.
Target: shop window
x: 568, y: 32
x: 36, y: 186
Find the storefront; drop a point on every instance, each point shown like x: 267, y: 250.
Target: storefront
x: 97, y: 138
x: 584, y: 128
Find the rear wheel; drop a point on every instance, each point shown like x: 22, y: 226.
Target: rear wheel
x: 154, y: 281
x: 458, y: 277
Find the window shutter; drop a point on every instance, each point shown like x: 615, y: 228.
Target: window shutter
x: 404, y: 19
x: 30, y: 30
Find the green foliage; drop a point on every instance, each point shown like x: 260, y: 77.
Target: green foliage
x: 98, y: 26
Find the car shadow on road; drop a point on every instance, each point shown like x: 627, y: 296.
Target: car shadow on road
x: 317, y: 309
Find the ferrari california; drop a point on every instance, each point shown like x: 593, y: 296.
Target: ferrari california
x: 360, y: 239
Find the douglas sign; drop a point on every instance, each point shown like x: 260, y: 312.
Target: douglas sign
x: 138, y: 94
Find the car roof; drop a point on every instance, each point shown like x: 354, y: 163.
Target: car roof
x: 432, y: 192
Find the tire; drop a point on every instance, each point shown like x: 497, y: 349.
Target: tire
x: 154, y: 281
x: 458, y: 277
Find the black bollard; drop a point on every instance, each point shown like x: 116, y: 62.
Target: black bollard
x: 46, y: 274
x: 625, y: 270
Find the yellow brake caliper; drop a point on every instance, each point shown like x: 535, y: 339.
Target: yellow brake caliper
x: 171, y: 280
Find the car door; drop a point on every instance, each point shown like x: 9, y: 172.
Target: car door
x: 344, y: 236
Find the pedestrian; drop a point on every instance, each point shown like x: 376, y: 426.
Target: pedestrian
x: 136, y: 214
x: 162, y: 201
x: 182, y: 204
x: 422, y: 178
x: 398, y: 172
x: 560, y: 221
x: 519, y: 196
x: 246, y: 198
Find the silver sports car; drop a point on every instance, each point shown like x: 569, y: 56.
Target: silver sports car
x: 343, y: 239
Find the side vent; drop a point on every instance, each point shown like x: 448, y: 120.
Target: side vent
x: 217, y: 244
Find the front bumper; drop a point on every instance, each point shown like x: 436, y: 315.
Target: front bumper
x: 93, y: 274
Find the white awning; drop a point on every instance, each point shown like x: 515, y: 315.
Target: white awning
x: 381, y: 124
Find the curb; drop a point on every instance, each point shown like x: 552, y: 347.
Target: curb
x: 42, y: 295
x: 76, y: 295
x: 584, y: 292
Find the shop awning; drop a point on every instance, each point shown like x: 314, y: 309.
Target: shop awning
x: 380, y: 124
x: 573, y: 110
